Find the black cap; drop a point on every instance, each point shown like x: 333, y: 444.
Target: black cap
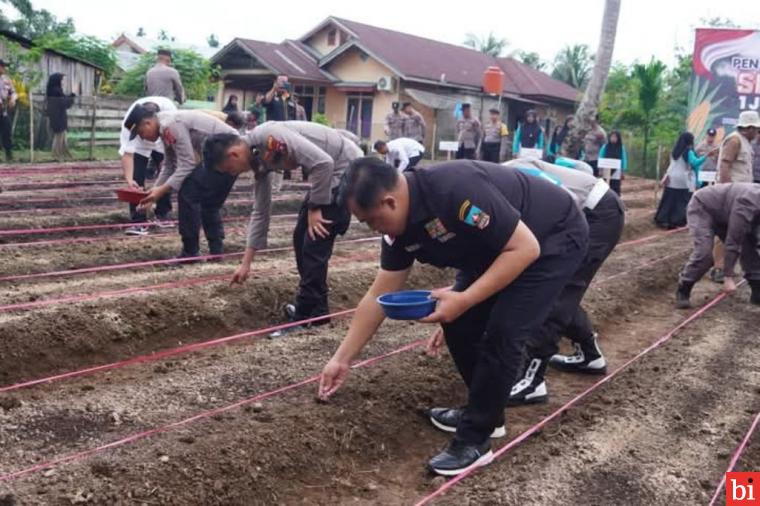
x: 494, y: 111
x: 711, y: 131
x: 405, y: 104
x: 466, y: 105
x: 139, y: 113
x: 164, y: 52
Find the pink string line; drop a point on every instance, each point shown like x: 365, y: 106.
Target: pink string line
x: 735, y: 458
x: 200, y: 416
x: 537, y: 427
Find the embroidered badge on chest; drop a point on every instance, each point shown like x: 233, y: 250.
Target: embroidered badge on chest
x: 436, y: 230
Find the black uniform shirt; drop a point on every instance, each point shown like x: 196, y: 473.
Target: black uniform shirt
x: 463, y: 213
x: 278, y: 109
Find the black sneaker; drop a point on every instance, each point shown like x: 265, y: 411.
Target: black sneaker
x: 459, y: 457
x: 717, y: 275
x: 531, y: 388
x: 447, y: 420
x: 754, y: 298
x: 683, y: 293
x: 587, y: 359
x: 285, y: 331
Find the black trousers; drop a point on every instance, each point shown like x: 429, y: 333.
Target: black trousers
x: 313, y: 256
x: 615, y: 184
x: 567, y: 317
x: 491, y: 152
x: 465, y: 153
x: 413, y: 161
x: 139, y: 174
x: 487, y: 341
x: 200, y: 201
x: 5, y: 134
x: 594, y: 166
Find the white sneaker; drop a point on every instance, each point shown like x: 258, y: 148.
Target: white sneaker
x: 137, y: 231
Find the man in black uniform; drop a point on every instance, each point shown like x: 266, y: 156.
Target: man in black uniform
x: 516, y: 240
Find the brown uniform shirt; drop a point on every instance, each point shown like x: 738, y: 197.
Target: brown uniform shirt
x: 469, y: 133
x: 164, y: 81
x: 735, y: 160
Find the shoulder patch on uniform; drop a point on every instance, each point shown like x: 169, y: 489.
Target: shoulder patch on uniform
x: 476, y: 217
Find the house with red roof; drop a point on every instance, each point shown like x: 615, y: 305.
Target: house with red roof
x: 352, y: 72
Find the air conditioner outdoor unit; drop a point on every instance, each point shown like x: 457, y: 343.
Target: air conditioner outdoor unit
x: 386, y: 83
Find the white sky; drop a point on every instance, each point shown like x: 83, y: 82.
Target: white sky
x: 646, y: 27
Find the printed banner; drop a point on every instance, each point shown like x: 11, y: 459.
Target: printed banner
x: 725, y: 79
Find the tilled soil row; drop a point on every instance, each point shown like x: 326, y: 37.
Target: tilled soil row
x: 125, y: 249
x: 284, y: 202
x: 366, y: 445
x: 662, y: 433
x: 114, y: 247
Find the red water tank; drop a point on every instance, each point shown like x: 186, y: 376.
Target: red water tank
x: 493, y: 81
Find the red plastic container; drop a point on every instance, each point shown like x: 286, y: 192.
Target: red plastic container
x: 131, y: 195
x: 493, y: 81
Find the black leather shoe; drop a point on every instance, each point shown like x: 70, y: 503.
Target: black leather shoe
x: 459, y: 457
x: 447, y: 419
x: 683, y: 293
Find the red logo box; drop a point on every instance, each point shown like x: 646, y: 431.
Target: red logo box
x: 742, y: 489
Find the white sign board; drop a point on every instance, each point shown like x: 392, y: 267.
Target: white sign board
x: 448, y: 146
x: 708, y: 176
x: 531, y: 153
x: 609, y: 163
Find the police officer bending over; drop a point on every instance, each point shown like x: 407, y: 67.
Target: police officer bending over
x: 323, y: 154
x: 202, y: 190
x: 605, y: 216
x: 516, y: 240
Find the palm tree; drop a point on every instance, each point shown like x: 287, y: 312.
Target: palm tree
x: 593, y: 94
x: 573, y: 65
x: 649, y: 78
x: 532, y: 59
x: 490, y: 44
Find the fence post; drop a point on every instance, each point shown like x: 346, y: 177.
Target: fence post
x: 31, y: 126
x: 92, y: 125
x: 657, y: 173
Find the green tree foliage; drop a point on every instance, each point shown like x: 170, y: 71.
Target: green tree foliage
x: 32, y: 22
x: 212, y: 41
x: 141, y: 32
x: 85, y: 47
x: 196, y: 73
x: 490, y: 44
x: 649, y: 78
x: 573, y: 65
x: 532, y: 59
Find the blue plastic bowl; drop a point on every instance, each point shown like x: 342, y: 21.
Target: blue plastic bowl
x: 407, y: 305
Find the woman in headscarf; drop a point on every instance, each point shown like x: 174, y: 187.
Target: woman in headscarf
x: 615, y: 149
x: 529, y: 134
x: 58, y: 104
x: 232, y: 105
x: 680, y: 182
x: 558, y: 137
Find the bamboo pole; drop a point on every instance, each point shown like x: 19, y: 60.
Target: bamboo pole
x: 92, y: 125
x: 31, y: 126
x: 657, y: 181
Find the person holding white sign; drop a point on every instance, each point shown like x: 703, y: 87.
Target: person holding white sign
x: 529, y: 136
x: 614, y: 150
x: 680, y: 181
